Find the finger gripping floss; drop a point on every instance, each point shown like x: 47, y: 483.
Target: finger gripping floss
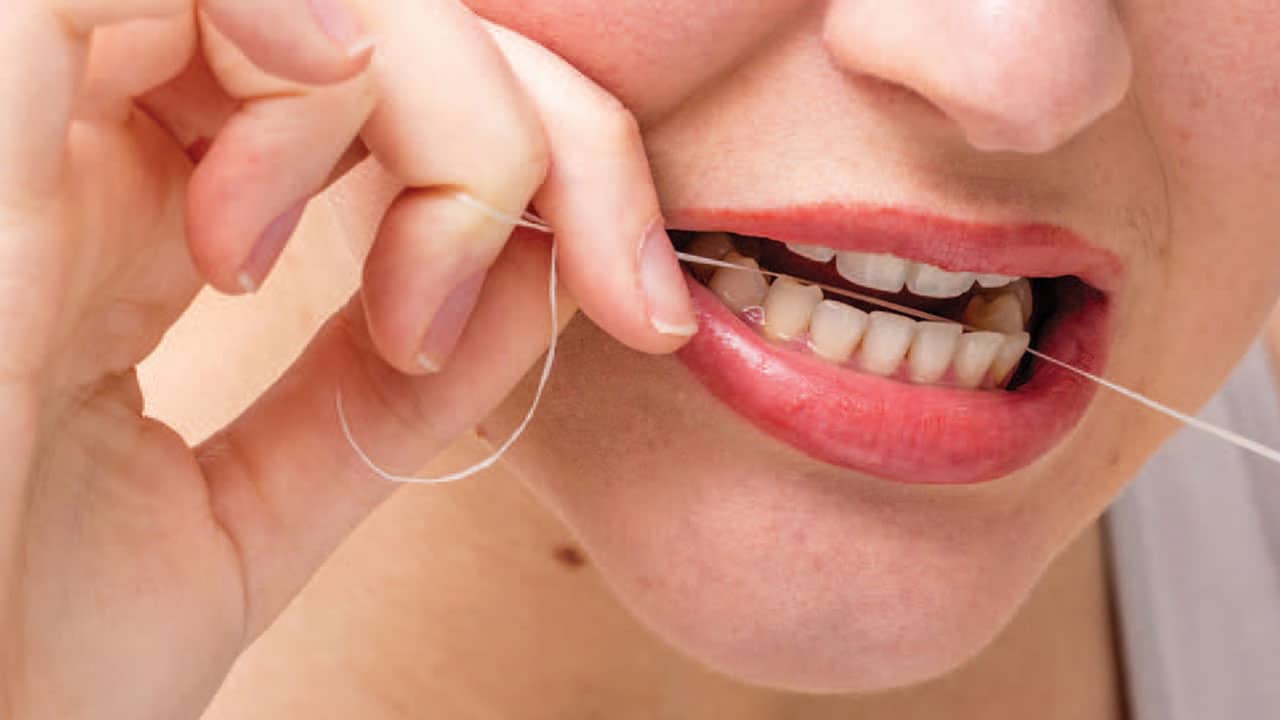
x: 527, y: 220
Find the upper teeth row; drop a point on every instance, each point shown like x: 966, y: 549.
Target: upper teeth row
x: 890, y: 273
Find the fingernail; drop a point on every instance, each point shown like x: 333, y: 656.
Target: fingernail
x: 341, y: 25
x: 267, y: 251
x: 448, y: 324
x: 663, y: 284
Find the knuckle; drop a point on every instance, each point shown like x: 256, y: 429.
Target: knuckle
x: 528, y: 159
x: 522, y: 159
x: 615, y: 128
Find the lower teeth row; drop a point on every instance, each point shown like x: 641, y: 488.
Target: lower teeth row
x: 880, y: 343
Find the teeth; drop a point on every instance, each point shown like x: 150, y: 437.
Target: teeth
x: 835, y: 329
x: 709, y: 245
x: 1021, y: 288
x: 739, y: 289
x: 886, y: 342
x: 817, y: 253
x: 929, y: 281
x: 883, y: 340
x: 1008, y: 357
x: 974, y: 355
x: 1001, y: 313
x: 931, y: 350
x: 992, y: 280
x: 876, y: 271
x: 787, y: 308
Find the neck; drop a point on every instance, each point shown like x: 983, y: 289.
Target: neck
x: 474, y: 601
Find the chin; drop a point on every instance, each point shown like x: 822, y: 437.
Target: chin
x: 781, y: 592
x: 810, y: 582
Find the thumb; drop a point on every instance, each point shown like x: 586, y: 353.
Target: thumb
x: 313, y: 42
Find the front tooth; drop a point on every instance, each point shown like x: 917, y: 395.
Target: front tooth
x: 929, y: 281
x: 1002, y: 313
x: 886, y: 342
x: 817, y: 253
x: 835, y: 329
x: 876, y: 271
x: 787, y: 308
x: 992, y: 280
x: 931, y: 350
x: 974, y: 355
x: 1009, y: 355
x: 739, y: 289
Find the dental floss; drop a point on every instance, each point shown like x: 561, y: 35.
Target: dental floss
x: 528, y: 220
x: 1236, y: 439
x: 533, y: 222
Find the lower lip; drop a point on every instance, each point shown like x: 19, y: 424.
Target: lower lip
x: 892, y: 430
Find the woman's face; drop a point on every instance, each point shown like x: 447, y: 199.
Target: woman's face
x: 797, y: 524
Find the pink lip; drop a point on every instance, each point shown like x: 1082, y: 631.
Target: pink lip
x: 892, y: 430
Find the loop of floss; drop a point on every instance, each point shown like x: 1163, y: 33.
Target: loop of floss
x: 527, y: 220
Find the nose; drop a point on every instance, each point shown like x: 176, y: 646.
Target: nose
x: 1013, y: 75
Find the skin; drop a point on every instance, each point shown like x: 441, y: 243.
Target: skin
x: 1137, y: 126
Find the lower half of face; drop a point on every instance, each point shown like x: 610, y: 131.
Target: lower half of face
x: 829, y: 493
x: 738, y: 544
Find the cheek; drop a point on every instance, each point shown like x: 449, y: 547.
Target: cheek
x: 1208, y: 86
x: 650, y: 54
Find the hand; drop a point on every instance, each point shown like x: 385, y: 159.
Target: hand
x: 133, y: 568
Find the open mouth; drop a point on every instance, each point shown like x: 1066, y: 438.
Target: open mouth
x: 956, y: 399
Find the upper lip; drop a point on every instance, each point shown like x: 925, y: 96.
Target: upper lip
x: 1025, y: 249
